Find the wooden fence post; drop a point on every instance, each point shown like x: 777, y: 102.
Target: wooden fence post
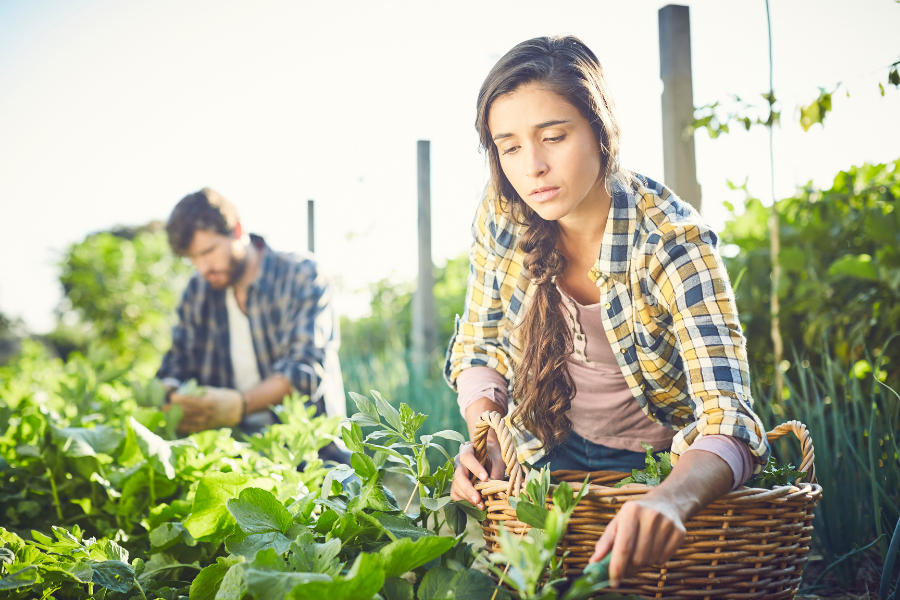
x: 311, y: 225
x: 423, y: 317
x: 677, y: 102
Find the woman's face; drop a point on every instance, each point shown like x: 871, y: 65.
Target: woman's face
x: 548, y: 152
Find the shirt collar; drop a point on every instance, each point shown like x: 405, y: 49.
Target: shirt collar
x: 615, y: 252
x: 267, y: 259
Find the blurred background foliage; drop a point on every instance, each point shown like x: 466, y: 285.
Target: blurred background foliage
x: 840, y: 283
x: 120, y: 292
x: 840, y: 304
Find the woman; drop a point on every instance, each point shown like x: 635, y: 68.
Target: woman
x: 599, y: 297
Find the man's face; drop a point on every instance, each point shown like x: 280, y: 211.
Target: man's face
x: 220, y: 259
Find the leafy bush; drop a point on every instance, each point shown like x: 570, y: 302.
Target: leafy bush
x: 121, y: 289
x: 840, y: 257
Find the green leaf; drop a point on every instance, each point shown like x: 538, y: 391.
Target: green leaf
x: 594, y: 579
x: 435, y: 504
x: 474, y: 585
x: 363, y: 465
x: 352, y: 437
x: 269, y: 577
x: 472, y: 510
x: 397, y: 588
x: 449, y: 434
x: 249, y: 544
x: 206, y: 584
x: 365, y: 407
x: 67, y: 571
x: 405, y: 555
x: 24, y: 578
x: 533, y: 515
x: 167, y: 535
x: 309, y: 557
x: 155, y: 449
x: 563, y: 497
x: 80, y: 441
x: 338, y: 473
x: 436, y: 585
x: 114, y: 575
x: 209, y: 519
x: 401, y: 526
x: 456, y: 518
x: 108, y: 550
x: 258, y: 511
x: 861, y: 267
x: 364, y: 579
x: 390, y: 414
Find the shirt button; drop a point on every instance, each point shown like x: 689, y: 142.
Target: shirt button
x: 642, y: 387
x: 578, y: 338
x: 607, y: 305
x: 624, y: 350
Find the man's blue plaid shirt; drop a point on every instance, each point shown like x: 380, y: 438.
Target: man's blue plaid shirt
x: 291, y: 320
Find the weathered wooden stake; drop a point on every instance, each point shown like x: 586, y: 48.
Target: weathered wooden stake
x: 677, y: 102
x: 311, y: 225
x: 424, y: 325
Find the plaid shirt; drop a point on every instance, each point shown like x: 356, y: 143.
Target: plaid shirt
x: 291, y: 321
x: 669, y: 315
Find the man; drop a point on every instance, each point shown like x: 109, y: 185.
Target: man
x: 253, y: 326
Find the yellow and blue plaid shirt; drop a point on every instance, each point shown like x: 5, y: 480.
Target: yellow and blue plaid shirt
x: 669, y: 315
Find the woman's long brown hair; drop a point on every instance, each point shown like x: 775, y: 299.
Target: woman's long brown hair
x: 543, y: 386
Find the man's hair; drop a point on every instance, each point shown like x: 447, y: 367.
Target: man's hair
x: 207, y: 210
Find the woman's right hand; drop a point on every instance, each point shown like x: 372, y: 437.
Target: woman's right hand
x: 466, y: 464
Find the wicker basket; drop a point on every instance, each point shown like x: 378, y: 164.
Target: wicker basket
x: 751, y: 543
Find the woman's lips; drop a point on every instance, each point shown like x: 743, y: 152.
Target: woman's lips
x: 543, y: 194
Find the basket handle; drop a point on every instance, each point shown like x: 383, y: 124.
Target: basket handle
x: 514, y: 469
x: 807, y: 464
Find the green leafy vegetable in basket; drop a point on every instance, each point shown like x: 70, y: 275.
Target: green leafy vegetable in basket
x: 775, y: 476
x: 654, y: 473
x: 191, y: 388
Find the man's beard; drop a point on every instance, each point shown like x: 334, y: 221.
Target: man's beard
x: 236, y: 270
x: 238, y: 267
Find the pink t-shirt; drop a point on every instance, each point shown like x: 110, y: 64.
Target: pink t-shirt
x: 604, y: 410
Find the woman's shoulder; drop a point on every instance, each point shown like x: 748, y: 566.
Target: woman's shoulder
x: 663, y: 217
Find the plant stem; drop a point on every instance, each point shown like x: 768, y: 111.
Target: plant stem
x: 411, y: 496
x: 499, y: 583
x: 55, y: 495
x: 774, y: 234
x: 152, y: 487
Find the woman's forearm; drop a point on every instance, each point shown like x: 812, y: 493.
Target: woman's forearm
x: 474, y: 411
x: 697, y: 479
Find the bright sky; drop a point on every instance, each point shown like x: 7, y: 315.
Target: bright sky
x: 112, y: 111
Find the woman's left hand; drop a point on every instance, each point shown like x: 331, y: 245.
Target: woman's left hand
x: 644, y: 532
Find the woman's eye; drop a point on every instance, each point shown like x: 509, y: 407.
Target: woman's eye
x: 555, y: 139
x: 510, y: 150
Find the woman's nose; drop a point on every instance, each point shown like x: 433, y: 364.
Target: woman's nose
x: 536, y: 165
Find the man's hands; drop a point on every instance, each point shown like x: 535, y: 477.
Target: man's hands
x: 218, y: 407
x: 466, y: 464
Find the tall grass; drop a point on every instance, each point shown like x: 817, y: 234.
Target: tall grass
x: 853, y: 420
x: 394, y: 371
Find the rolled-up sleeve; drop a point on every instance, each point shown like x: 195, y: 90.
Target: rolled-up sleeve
x: 309, y: 332
x: 690, y: 282
x: 478, y: 337
x: 180, y: 363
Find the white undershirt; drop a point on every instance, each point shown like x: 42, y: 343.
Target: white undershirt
x: 243, y: 356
